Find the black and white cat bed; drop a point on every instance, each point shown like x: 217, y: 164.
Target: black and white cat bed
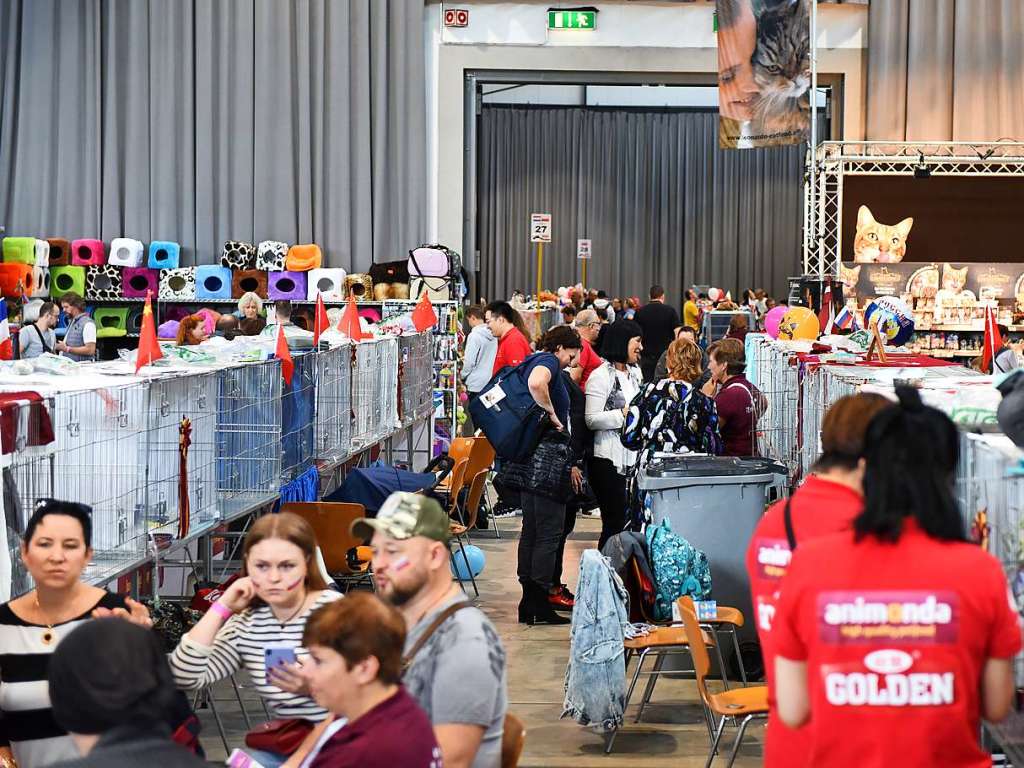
x: 178, y: 284
x: 103, y: 282
x: 271, y: 256
x: 238, y: 254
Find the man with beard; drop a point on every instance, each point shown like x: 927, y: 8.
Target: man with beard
x: 457, y: 667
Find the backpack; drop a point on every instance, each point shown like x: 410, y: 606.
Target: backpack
x: 508, y: 415
x: 437, y: 270
x: 679, y: 569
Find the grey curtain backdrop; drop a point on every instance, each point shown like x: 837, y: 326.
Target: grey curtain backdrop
x: 652, y: 190
x: 202, y: 121
x: 945, y: 70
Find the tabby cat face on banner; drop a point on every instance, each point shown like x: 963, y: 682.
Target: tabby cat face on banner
x: 849, y: 275
x: 953, y: 280
x: 877, y: 243
x: 781, y: 61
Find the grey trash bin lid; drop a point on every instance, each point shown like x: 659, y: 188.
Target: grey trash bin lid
x: 709, y: 470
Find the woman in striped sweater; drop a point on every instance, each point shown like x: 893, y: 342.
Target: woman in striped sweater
x: 265, y: 609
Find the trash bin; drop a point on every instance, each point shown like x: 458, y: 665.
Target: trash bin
x: 714, y: 502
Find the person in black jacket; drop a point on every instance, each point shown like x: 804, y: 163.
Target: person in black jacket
x: 659, y: 322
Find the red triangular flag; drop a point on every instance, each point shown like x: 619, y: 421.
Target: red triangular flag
x: 424, y: 316
x: 320, y: 321
x: 825, y: 315
x: 349, y: 324
x: 993, y: 341
x: 149, y: 347
x: 285, y: 356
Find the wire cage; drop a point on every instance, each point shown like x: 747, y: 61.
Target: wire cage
x: 415, y: 376
x: 388, y: 385
x: 716, y: 323
x: 298, y: 413
x: 366, y: 403
x: 774, y: 372
x: 181, y: 454
x: 333, y: 403
x: 249, y: 426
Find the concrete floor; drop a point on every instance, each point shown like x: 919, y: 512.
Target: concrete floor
x: 672, y: 732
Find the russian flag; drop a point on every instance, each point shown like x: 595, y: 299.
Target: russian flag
x: 846, y: 320
x: 6, y: 347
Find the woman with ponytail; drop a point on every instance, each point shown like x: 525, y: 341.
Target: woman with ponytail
x: 895, y: 638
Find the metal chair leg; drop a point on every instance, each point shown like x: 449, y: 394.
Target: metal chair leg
x: 714, y: 743
x: 241, y: 704
x: 739, y: 659
x: 739, y: 739
x: 465, y: 559
x: 216, y: 717
x: 649, y: 688
x: 721, y: 658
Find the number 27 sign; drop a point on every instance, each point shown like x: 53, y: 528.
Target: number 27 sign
x: 540, y: 227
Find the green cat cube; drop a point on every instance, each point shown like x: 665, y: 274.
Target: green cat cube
x: 20, y: 250
x: 66, y: 279
x: 110, y: 321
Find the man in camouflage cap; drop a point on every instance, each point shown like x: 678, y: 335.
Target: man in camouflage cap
x: 458, y: 674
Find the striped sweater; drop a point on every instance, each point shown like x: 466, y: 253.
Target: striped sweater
x: 241, y: 642
x: 26, y: 720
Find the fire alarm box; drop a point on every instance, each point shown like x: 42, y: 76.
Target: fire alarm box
x: 456, y: 17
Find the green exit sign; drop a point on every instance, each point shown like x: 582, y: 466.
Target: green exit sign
x: 572, y: 19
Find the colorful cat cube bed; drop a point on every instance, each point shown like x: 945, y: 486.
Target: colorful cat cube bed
x: 271, y: 255
x: 88, y: 252
x: 16, y: 279
x: 134, y: 322
x: 103, y: 283
x: 164, y: 255
x: 110, y: 321
x: 60, y: 251
x: 40, y: 282
x: 289, y: 286
x: 238, y: 254
x: 213, y: 282
x: 249, y: 281
x: 19, y: 250
x: 136, y: 282
x: 302, y: 258
x: 42, y: 253
x: 126, y: 252
x: 329, y: 282
x: 178, y: 284
x: 66, y: 279
x: 303, y: 317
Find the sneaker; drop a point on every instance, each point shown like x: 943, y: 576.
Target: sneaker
x: 560, y: 602
x: 564, y: 591
x: 503, y: 510
x: 595, y: 512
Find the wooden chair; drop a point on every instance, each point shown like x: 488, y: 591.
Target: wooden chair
x: 728, y: 620
x: 460, y: 448
x: 331, y: 522
x: 749, y: 702
x: 512, y: 741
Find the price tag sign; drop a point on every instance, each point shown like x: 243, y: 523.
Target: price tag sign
x: 582, y: 249
x: 540, y: 227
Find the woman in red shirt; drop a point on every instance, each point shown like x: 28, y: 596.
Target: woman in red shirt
x: 826, y: 503
x: 896, y: 638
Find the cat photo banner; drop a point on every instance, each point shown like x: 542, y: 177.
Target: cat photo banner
x: 764, y: 72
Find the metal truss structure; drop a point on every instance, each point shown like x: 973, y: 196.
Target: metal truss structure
x: 823, y: 199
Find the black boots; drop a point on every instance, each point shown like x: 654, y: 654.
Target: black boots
x: 534, y: 608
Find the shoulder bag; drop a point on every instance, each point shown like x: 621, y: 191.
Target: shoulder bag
x: 440, y: 619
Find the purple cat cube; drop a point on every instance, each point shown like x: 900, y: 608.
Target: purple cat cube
x: 137, y: 281
x: 287, y: 286
x: 88, y: 253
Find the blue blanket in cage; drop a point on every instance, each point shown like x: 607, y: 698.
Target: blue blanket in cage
x: 370, y: 486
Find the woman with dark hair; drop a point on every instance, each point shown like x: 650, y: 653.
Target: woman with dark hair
x: 827, y: 503
x: 894, y: 639
x: 544, y: 507
x: 56, y: 548
x: 610, y: 389
x: 113, y: 692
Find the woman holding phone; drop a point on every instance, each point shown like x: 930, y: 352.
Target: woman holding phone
x: 258, y: 624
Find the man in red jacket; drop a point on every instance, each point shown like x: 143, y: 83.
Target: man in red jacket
x: 513, y: 346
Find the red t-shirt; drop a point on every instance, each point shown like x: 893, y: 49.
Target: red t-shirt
x: 395, y: 732
x: 738, y: 403
x: 513, y: 348
x: 895, y: 637
x: 819, y: 508
x: 589, y: 362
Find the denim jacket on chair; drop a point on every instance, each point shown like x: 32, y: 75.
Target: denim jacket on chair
x: 595, y: 679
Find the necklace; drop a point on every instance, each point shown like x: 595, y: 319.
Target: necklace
x: 298, y: 610
x: 48, y: 635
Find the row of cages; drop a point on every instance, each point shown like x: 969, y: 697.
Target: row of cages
x: 171, y: 457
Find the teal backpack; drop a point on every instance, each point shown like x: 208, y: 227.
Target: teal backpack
x: 679, y: 569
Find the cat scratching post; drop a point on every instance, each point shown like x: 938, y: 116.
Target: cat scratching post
x: 877, y: 344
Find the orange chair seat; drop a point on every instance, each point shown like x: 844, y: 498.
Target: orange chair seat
x: 741, y: 702
x: 726, y: 616
x: 662, y: 638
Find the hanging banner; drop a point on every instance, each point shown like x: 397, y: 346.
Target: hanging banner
x: 764, y: 72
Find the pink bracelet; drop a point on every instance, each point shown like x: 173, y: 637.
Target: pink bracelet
x: 222, y: 610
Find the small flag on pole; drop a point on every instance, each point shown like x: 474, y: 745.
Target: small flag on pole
x: 993, y: 341
x: 149, y: 348
x: 285, y: 356
x: 350, y: 324
x: 6, y: 347
x: 846, y: 320
x: 826, y: 315
x: 424, y: 316
x: 320, y: 321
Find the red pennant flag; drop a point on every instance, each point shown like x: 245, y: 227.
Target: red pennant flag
x: 349, y: 324
x: 424, y: 316
x: 993, y: 341
x: 320, y: 321
x: 149, y: 347
x: 825, y: 315
x: 285, y: 356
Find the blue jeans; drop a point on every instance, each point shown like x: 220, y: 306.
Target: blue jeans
x: 266, y: 759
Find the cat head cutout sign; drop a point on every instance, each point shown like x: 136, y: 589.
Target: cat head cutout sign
x: 877, y: 243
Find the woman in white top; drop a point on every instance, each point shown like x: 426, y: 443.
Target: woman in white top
x: 264, y: 610
x: 610, y: 389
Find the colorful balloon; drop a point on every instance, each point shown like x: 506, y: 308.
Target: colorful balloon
x: 799, y: 323
x: 772, y: 320
x: 714, y: 294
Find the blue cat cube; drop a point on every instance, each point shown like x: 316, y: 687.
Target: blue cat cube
x: 213, y: 282
x: 164, y: 255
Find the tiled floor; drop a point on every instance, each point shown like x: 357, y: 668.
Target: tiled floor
x: 671, y: 734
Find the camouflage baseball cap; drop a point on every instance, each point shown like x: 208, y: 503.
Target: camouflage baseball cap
x: 404, y: 515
